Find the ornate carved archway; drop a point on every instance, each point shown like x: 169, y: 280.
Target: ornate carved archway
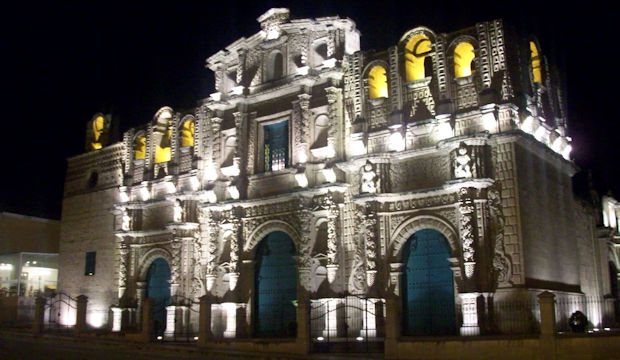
x: 419, y: 222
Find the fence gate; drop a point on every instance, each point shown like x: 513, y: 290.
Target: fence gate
x: 181, y: 317
x: 60, y: 313
x: 349, y: 324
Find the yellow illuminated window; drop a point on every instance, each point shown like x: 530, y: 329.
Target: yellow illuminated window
x: 536, y: 72
x: 416, y: 50
x: 97, y: 131
x: 139, y: 148
x: 162, y: 150
x: 463, y: 59
x: 187, y: 133
x: 377, y: 83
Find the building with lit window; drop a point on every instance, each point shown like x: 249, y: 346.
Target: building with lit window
x: 436, y: 172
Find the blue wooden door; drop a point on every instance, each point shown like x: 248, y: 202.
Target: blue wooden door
x: 276, y: 286
x: 428, y: 288
x: 158, y: 289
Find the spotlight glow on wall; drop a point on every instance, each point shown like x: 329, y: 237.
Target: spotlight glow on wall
x: 397, y: 143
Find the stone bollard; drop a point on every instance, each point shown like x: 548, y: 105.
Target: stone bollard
x: 392, y: 326
x: 546, y: 300
x: 204, y: 325
x: 80, y: 318
x: 147, y: 320
x: 39, y: 312
x: 303, y: 325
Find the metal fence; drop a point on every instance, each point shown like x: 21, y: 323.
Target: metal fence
x: 184, y: 313
x: 349, y: 324
x: 60, y: 313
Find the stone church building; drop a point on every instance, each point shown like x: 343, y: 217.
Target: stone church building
x: 436, y: 172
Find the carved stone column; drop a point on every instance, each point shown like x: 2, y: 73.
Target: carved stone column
x: 467, y: 229
x: 303, y: 127
x: 212, y: 249
x: 332, y: 240
x: 332, y: 108
x: 216, y: 140
x: 122, y: 271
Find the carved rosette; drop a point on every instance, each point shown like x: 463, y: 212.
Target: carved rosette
x: 501, y: 262
x: 467, y: 230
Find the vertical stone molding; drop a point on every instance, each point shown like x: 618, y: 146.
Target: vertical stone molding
x: 147, y: 320
x: 303, y: 323
x: 204, y: 323
x: 393, y: 326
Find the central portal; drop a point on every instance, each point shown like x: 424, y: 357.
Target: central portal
x: 276, y: 287
x: 158, y: 289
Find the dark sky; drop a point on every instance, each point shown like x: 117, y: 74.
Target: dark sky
x: 64, y: 61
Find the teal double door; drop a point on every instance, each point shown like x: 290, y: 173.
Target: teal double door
x: 428, y: 285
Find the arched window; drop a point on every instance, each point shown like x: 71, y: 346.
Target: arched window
x: 275, y: 66
x: 139, y: 147
x: 417, y: 50
x: 98, y: 124
x: 535, y: 57
x: 377, y: 82
x: 275, y: 287
x: 428, y: 285
x: 463, y: 59
x: 319, y: 54
x: 162, y: 150
x: 187, y: 133
x: 158, y: 289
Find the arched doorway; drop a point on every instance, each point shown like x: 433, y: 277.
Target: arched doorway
x: 158, y: 289
x: 428, y: 285
x: 275, y: 287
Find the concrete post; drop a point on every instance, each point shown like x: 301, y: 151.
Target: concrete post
x: 393, y: 326
x: 469, y: 308
x: 546, y: 300
x: 204, y: 323
x: 39, y: 312
x: 147, y: 320
x: 80, y: 317
x: 303, y: 324
x: 117, y: 318
x: 241, y: 325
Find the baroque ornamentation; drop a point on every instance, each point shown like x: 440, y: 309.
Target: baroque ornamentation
x: 501, y: 262
x: 462, y: 162
x: 467, y: 229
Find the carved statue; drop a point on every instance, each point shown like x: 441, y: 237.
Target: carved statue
x: 178, y: 211
x: 462, y: 163
x: 369, y: 177
x: 126, y: 221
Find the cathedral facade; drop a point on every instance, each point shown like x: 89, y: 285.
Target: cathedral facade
x: 436, y: 173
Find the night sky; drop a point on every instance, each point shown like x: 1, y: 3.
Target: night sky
x: 65, y: 61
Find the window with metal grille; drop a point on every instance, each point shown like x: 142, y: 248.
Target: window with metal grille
x: 276, y: 146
